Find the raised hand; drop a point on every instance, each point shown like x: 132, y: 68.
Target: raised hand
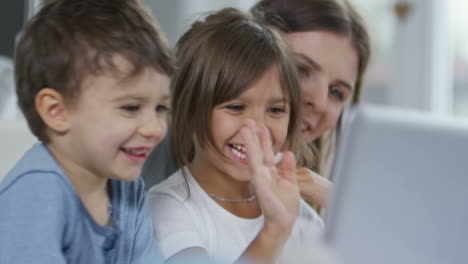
x: 275, y: 186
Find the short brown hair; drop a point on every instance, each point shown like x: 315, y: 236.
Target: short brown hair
x: 335, y: 16
x: 218, y: 58
x: 68, y: 40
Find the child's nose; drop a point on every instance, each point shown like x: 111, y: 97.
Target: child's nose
x: 153, y: 128
x: 259, y: 119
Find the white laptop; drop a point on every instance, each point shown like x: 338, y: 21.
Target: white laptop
x: 401, y: 194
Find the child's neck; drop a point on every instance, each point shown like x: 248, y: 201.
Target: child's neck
x: 92, y: 189
x: 214, y: 181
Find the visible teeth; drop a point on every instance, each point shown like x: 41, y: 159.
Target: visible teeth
x: 136, y: 152
x: 238, y: 154
x: 239, y: 147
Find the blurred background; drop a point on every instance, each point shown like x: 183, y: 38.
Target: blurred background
x: 419, y: 61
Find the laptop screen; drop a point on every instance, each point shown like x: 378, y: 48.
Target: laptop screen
x: 401, y: 189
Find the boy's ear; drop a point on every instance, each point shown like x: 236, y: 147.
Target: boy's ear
x: 51, y: 107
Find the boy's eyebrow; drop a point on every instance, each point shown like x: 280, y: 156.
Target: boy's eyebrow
x: 317, y: 67
x: 138, y: 97
x: 129, y: 96
x: 166, y: 97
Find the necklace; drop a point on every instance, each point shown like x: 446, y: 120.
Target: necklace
x: 249, y: 199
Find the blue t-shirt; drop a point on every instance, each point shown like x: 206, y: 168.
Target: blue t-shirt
x: 42, y: 219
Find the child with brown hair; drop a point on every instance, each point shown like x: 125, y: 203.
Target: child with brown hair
x: 92, y: 80
x: 236, y: 102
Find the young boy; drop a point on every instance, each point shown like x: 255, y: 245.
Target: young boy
x: 92, y: 80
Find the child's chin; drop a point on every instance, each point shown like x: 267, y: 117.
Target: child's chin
x: 241, y: 174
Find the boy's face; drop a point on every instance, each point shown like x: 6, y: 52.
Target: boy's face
x: 116, y: 121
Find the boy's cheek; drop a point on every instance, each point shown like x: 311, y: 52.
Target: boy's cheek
x: 164, y: 123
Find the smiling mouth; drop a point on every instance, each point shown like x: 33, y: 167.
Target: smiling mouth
x: 238, y: 151
x: 136, y: 154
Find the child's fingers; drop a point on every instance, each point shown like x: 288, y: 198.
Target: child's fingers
x: 287, y: 167
x: 267, y: 146
x: 252, y: 146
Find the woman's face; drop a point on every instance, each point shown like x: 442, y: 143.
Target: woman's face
x: 328, y: 68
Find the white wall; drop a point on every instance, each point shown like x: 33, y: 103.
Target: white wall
x: 15, y: 140
x: 422, y: 60
x: 175, y: 16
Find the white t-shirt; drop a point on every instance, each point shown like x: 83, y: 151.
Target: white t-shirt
x: 182, y: 220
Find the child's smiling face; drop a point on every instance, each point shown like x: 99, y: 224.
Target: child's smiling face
x: 263, y: 102
x: 117, y: 121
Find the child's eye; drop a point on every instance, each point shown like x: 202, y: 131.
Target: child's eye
x: 236, y: 108
x: 161, y: 109
x: 277, y: 110
x: 336, y: 93
x: 132, y: 108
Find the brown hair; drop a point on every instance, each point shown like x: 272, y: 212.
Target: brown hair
x: 335, y: 16
x: 68, y: 40
x: 218, y: 58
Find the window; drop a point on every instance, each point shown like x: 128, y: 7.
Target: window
x: 421, y: 61
x: 380, y: 21
x: 459, y: 26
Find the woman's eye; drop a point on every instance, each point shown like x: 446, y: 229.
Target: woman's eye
x: 336, y: 93
x: 131, y: 108
x: 303, y: 70
x: 236, y: 108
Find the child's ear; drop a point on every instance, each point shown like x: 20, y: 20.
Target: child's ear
x: 51, y: 107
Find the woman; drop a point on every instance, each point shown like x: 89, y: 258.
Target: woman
x: 331, y: 48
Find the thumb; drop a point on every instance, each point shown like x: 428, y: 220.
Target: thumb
x: 287, y: 167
